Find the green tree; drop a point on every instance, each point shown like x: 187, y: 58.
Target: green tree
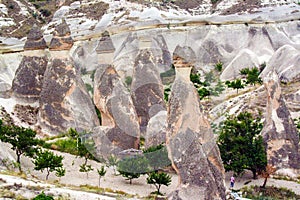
x: 235, y: 84
x: 159, y: 179
x: 133, y: 167
x: 22, y: 140
x: 47, y: 160
x: 241, y: 145
x: 219, y: 88
x: 60, y: 172
x: 157, y: 157
x: 101, y: 173
x: 203, y: 92
x: 86, y: 168
x: 253, y: 76
x: 112, y: 161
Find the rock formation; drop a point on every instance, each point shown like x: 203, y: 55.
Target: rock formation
x: 29, y: 76
x: 279, y: 132
x: 191, y: 145
x: 285, y: 61
x: 146, y: 89
x: 62, y: 39
x: 63, y: 91
x: 120, y: 128
x: 35, y: 39
x: 156, y: 129
x: 105, y: 49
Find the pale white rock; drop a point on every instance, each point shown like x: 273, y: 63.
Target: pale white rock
x: 245, y: 59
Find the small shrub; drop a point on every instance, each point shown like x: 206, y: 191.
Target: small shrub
x: 128, y: 80
x: 45, y: 12
x: 159, y: 179
x: 43, y: 196
x: 219, y: 66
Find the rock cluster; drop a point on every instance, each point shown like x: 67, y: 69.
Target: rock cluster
x: 146, y: 89
x: 120, y: 128
x: 279, y: 132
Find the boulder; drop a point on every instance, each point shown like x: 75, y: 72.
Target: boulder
x: 62, y: 93
x: 35, y: 39
x: 191, y: 144
x: 156, y: 129
x: 279, y: 132
x: 117, y: 113
x: 146, y: 89
x: 62, y: 39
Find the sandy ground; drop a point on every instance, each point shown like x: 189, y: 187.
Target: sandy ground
x: 139, y: 187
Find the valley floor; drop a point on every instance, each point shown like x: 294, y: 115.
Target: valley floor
x: 78, y: 185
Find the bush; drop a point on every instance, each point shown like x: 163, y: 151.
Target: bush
x: 42, y: 196
x: 45, y: 12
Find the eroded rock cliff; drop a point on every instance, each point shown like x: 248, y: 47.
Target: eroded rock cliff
x: 280, y: 133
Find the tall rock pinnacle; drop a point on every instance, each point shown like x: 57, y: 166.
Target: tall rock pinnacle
x: 62, y: 39
x: 35, y: 39
x: 191, y: 145
x: 279, y: 132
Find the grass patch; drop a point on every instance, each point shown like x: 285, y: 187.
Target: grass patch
x: 270, y: 192
x: 68, y: 145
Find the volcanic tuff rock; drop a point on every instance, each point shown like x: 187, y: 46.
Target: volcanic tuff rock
x: 146, y: 89
x: 192, y: 148
x: 105, y: 49
x: 62, y: 92
x: 286, y: 62
x: 35, y: 39
x: 29, y: 77
x: 156, y: 129
x: 279, y: 132
x: 62, y: 39
x: 120, y: 128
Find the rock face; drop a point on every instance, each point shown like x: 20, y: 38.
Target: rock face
x: 146, y: 89
x: 120, y: 128
x: 62, y: 39
x: 285, y: 62
x: 35, y: 39
x: 191, y: 145
x: 62, y: 92
x: 279, y: 132
x: 29, y: 77
x: 105, y: 49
